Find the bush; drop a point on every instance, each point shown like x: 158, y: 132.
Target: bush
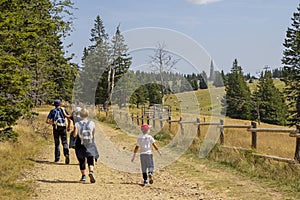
x: 8, y: 134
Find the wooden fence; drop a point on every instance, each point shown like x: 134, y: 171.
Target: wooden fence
x: 250, y: 128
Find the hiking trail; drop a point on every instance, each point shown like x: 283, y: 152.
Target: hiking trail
x: 184, y: 179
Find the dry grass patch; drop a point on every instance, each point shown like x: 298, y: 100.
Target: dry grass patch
x: 15, y: 158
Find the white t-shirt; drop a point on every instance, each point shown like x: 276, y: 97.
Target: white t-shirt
x: 91, y: 125
x: 144, y: 142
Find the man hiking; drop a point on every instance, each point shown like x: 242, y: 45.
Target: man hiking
x: 57, y: 118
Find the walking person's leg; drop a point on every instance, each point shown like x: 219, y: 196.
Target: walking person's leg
x: 143, y: 158
x: 90, y: 161
x: 150, y: 166
x: 82, y: 166
x: 56, y: 145
x: 64, y: 142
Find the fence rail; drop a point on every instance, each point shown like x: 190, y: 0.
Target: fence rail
x: 250, y: 128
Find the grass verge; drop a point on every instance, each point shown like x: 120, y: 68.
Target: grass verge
x: 16, y: 160
x: 283, y: 176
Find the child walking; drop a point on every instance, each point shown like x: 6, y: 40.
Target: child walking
x: 144, y: 142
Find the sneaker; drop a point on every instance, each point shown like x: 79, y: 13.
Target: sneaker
x: 92, y: 178
x: 145, y: 182
x: 83, y: 178
x: 56, y: 160
x: 67, y: 159
x: 150, y: 176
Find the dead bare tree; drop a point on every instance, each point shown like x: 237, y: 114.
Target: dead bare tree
x: 162, y: 62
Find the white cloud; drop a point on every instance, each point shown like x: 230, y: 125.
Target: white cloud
x: 202, y: 2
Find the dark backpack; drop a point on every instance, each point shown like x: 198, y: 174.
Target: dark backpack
x: 85, y: 133
x: 59, y: 119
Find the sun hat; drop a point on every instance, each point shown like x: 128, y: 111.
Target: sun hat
x: 77, y: 109
x: 145, y: 127
x: 57, y: 102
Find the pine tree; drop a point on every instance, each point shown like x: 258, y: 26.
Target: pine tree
x: 268, y: 101
x: 120, y: 62
x: 237, y: 103
x: 291, y: 69
x: 203, y: 80
x: 104, y: 62
x: 91, y: 84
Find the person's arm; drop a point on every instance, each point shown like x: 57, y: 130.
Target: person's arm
x: 68, y: 118
x: 156, y: 148
x: 75, y: 132
x: 134, y: 153
x: 48, y: 120
x: 65, y: 113
x: 69, y: 123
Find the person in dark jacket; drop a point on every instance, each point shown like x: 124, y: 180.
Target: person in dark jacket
x: 57, y: 118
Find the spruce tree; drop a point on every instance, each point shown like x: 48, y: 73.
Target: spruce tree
x: 237, y: 103
x: 291, y: 69
x: 120, y: 62
x: 268, y: 101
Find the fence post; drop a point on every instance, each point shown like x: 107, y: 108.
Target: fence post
x: 137, y: 120
x: 170, y: 123
x: 143, y: 119
x: 181, y: 126
x: 297, y: 151
x: 148, y: 119
x: 222, y: 138
x: 154, y: 121
x: 160, y: 121
x: 254, y: 135
x: 132, y: 118
x: 198, y: 127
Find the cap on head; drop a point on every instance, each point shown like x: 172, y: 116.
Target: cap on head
x: 77, y: 109
x: 57, y: 102
x: 145, y: 127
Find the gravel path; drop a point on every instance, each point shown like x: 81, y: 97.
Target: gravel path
x: 184, y: 179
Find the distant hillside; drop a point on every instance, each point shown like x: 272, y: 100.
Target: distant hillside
x: 277, y: 82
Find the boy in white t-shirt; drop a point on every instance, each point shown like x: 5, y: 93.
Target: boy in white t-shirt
x: 144, y: 142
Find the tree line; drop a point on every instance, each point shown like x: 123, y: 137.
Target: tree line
x: 34, y: 67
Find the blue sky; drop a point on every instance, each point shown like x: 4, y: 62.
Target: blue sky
x: 250, y: 30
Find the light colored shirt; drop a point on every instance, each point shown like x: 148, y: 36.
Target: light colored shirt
x: 144, y: 142
x: 91, y: 125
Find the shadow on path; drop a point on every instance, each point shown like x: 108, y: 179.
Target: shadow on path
x: 57, y: 181
x: 48, y: 162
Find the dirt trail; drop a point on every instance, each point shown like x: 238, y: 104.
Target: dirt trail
x: 184, y: 179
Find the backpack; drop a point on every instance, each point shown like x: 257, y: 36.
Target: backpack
x: 59, y: 119
x: 85, y: 133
